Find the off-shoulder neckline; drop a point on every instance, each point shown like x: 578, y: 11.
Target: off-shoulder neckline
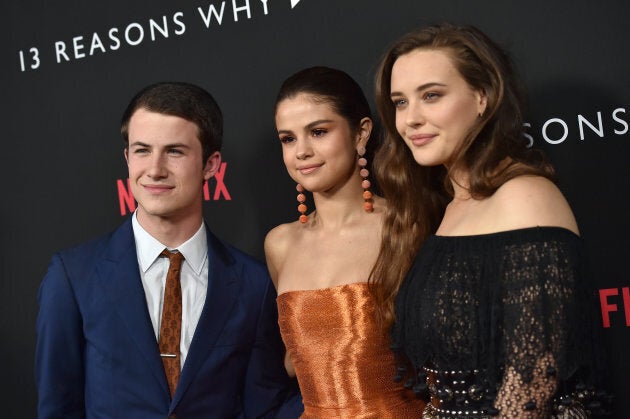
x: 524, y: 230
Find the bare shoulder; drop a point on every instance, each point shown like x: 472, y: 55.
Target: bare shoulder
x: 530, y: 201
x: 277, y: 245
x: 278, y: 234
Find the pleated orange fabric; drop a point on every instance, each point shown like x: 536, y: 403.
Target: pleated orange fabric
x: 343, y: 363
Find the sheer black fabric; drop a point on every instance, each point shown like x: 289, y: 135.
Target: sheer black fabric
x: 513, y: 312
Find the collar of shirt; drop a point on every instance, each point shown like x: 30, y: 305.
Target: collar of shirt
x: 195, y: 249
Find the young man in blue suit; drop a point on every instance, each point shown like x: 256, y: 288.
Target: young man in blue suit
x: 101, y: 304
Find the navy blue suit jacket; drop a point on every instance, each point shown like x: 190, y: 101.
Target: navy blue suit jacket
x: 97, y: 355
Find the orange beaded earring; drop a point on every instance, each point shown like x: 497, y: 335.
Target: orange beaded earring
x: 368, y: 204
x: 302, y: 206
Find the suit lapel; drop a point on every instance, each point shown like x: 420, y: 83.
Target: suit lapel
x: 120, y: 277
x: 220, y: 297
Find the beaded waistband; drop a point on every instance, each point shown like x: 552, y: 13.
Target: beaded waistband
x: 457, y: 394
x: 431, y: 412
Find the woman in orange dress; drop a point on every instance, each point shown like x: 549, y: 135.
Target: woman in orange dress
x: 320, y: 264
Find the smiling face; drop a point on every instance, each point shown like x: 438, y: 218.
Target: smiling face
x: 318, y: 146
x: 166, y: 168
x: 435, y: 107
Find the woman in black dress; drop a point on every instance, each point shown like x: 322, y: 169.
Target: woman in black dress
x: 492, y: 319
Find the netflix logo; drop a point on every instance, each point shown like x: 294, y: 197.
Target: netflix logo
x: 610, y: 300
x: 220, y: 191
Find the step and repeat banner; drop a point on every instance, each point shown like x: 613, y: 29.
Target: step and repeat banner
x: 69, y: 68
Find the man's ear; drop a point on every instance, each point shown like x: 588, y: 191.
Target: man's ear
x: 126, y: 153
x: 363, y: 134
x: 212, y: 165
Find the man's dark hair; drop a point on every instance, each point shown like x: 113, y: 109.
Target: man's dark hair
x: 186, y: 101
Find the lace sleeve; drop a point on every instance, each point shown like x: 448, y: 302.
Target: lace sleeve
x: 547, y: 330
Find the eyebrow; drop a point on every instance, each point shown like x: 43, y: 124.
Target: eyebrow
x: 141, y: 144
x: 420, y: 88
x: 308, y: 126
x: 318, y: 122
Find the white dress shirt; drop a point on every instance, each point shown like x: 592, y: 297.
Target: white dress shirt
x: 193, y: 277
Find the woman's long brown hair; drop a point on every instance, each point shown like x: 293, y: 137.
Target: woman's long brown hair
x: 494, y: 152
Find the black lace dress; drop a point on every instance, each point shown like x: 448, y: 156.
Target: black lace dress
x: 500, y: 325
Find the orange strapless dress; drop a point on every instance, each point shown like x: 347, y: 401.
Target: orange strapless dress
x: 343, y: 363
